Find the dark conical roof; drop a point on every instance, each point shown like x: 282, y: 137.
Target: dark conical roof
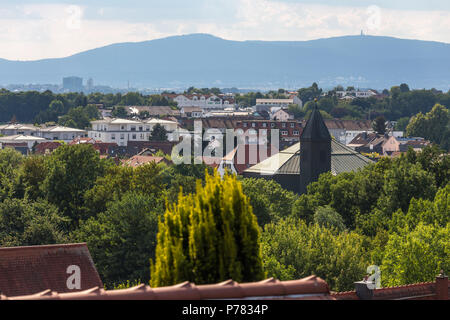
x: 315, y: 128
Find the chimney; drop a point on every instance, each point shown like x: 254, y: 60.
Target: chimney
x: 442, y: 286
x: 364, y: 289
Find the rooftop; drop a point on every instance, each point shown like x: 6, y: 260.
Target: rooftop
x: 28, y: 270
x: 343, y: 159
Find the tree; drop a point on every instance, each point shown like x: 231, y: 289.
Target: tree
x: 208, y: 237
x: 416, y: 256
x: 159, y: 133
x: 119, y: 112
x: 270, y: 202
x: 379, y: 125
x: 292, y: 248
x: 328, y: 217
x: 26, y: 223
x: 122, y: 239
x: 402, y: 123
x: 10, y: 161
x: 433, y: 126
x: 72, y: 170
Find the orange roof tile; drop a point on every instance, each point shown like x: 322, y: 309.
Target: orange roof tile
x: 27, y: 270
x: 308, y: 288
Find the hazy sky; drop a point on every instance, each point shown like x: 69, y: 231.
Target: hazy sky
x: 36, y: 29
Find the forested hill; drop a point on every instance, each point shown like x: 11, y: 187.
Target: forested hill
x: 204, y: 61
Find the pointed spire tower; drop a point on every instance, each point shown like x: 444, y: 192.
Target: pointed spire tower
x: 315, y: 149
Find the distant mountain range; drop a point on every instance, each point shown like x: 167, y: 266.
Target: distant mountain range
x: 203, y: 60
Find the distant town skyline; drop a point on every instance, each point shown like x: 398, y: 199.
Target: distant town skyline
x: 39, y: 29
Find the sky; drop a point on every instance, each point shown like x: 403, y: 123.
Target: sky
x: 38, y: 29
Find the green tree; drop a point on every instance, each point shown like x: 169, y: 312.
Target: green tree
x: 328, y: 217
x: 379, y: 125
x: 122, y: 239
x: 26, y: 223
x: 433, y: 126
x: 291, y: 247
x: 208, y: 237
x: 72, y: 170
x: 159, y: 133
x: 416, y: 256
x: 269, y: 200
x: 119, y: 112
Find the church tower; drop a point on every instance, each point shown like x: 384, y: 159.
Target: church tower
x: 315, y: 150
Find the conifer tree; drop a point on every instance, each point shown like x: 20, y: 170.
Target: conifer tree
x: 208, y: 237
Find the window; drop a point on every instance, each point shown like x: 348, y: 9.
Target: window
x: 272, y: 125
x: 122, y: 136
x: 133, y: 137
x: 133, y: 128
x: 122, y: 127
x: 283, y: 125
x: 296, y: 133
x: 253, y: 124
x: 140, y: 128
x: 264, y: 125
x: 284, y: 133
x: 292, y: 125
x: 244, y: 124
x: 113, y: 136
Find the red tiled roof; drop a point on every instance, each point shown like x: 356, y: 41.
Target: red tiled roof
x: 43, y: 146
x: 308, y: 288
x: 138, y: 160
x: 417, y: 291
x: 28, y: 270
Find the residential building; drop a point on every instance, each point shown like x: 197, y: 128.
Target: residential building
x: 29, y: 140
x: 14, y: 129
x: 386, y: 145
x: 289, y: 130
x: 207, y: 101
x: 61, y: 133
x: 140, y: 160
x: 153, y: 111
x: 123, y: 131
x: 191, y: 112
x: 345, y: 131
x: 46, y: 148
x: 281, y: 114
x: 280, y: 102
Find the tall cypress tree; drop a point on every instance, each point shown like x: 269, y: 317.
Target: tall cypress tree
x: 208, y: 237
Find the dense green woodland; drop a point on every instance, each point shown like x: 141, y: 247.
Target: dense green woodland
x: 167, y: 224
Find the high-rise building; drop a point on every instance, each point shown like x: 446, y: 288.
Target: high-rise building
x: 73, y: 84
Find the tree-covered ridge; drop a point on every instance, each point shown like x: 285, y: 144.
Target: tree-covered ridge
x: 394, y: 214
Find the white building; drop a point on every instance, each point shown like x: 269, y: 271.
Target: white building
x: 18, y: 129
x: 61, y: 133
x: 29, y: 140
x: 209, y: 101
x: 280, y: 114
x: 280, y: 102
x: 121, y: 131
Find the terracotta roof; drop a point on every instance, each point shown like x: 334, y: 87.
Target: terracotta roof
x: 352, y: 125
x: 138, y: 160
x: 43, y: 146
x: 417, y: 291
x: 28, y: 270
x: 308, y: 288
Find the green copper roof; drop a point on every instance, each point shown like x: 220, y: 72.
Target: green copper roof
x: 343, y: 159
